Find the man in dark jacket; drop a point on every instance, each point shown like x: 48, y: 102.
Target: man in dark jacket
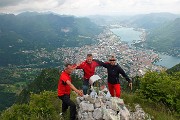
x: 114, y: 70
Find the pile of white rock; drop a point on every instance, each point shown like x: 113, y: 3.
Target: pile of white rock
x: 107, y: 108
x: 101, y: 108
x: 139, y: 114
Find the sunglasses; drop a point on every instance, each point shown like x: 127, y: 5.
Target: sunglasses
x: 112, y: 60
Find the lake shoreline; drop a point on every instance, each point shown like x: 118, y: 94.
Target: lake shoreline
x: 140, y: 37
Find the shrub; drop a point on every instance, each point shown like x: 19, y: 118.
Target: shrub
x: 161, y: 87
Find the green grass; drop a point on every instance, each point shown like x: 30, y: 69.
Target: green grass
x: 48, y: 100
x: 157, y: 111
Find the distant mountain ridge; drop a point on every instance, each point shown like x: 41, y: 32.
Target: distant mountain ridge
x: 31, y: 30
x: 152, y: 20
x: 146, y: 21
x: 43, y: 29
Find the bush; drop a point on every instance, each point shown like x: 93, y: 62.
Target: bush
x: 16, y: 112
x: 161, y: 87
x: 43, y: 106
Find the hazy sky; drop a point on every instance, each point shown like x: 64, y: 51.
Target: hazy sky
x: 91, y: 7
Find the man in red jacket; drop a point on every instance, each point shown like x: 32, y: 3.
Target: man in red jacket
x: 64, y: 89
x: 88, y: 67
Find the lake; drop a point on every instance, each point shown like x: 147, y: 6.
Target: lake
x: 129, y: 34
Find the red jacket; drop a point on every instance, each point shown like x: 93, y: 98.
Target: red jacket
x: 63, y: 87
x: 89, y: 69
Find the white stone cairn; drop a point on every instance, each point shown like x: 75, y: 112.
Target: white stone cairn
x: 99, y: 105
x: 105, y: 108
x: 101, y: 108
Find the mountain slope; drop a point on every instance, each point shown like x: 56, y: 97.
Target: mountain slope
x: 166, y: 38
x: 30, y: 31
x: 43, y: 30
x: 174, y: 69
x: 152, y: 20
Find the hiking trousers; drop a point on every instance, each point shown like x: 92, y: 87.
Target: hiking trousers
x: 114, y: 89
x: 85, y: 86
x: 66, y: 102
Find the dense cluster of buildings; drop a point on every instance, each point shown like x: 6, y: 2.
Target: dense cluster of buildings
x: 134, y: 61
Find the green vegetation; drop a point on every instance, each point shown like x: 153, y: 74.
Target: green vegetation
x: 157, y: 93
x: 39, y: 99
x: 174, y: 69
x: 6, y: 100
x: 43, y: 106
x: 166, y: 38
x: 162, y: 88
x: 12, y: 81
x: 157, y: 111
x: 22, y: 34
x: 16, y: 75
x: 47, y: 80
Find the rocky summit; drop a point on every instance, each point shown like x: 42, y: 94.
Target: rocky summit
x: 105, y: 107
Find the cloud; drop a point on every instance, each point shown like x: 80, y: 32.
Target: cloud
x: 89, y: 7
x: 5, y: 3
